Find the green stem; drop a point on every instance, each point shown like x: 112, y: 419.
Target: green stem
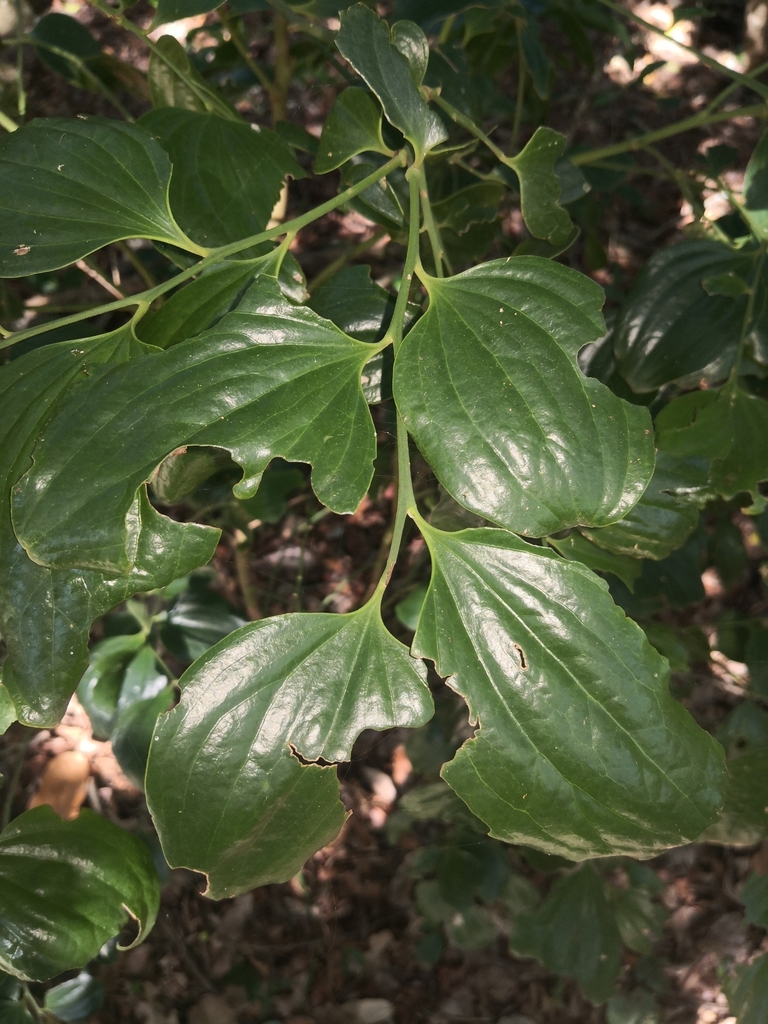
x: 394, y: 333
x: 283, y: 71
x: 732, y: 87
x: 737, y: 76
x: 242, y: 49
x: 21, y: 96
x: 216, y: 255
x: 7, y: 122
x: 405, y: 497
x: 642, y: 141
x: 469, y: 125
x: 520, y: 92
x: 433, y: 232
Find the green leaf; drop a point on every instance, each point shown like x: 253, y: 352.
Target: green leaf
x: 729, y: 284
x: 755, y: 208
x: 197, y: 306
x: 44, y: 615
x: 7, y: 710
x: 353, y: 126
x: 175, y: 10
x: 270, y: 503
x: 69, y: 187
x: 408, y: 610
x: 198, y: 619
x: 142, y: 681
x: 173, y: 82
x: 475, y: 204
x: 574, y: 933
x: 728, y: 425
x: 410, y: 40
x: 536, y: 60
x: 575, y: 546
x: 223, y: 784
x: 540, y: 186
x: 15, y: 1013
x: 581, y: 750
x: 754, y: 896
x: 132, y: 732
x: 748, y: 992
x: 639, y: 1007
x: 379, y: 202
x: 76, y: 999
x: 271, y: 379
x: 178, y: 476
x: 670, y: 329
x: 638, y: 918
x: 667, y: 513
x: 743, y: 820
x: 66, y: 34
x: 99, y: 689
x: 66, y: 888
x: 227, y: 175
x: 365, y: 41
x: 488, y: 384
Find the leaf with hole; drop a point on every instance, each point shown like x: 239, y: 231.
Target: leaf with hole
x: 488, y: 384
x: 581, y: 750
x: 223, y: 783
x: 68, y: 887
x: 270, y: 379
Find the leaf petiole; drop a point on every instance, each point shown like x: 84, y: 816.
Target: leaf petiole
x: 216, y: 255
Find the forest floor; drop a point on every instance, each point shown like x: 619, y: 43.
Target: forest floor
x: 338, y: 944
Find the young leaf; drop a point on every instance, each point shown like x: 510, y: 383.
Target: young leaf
x: 540, y: 186
x: 581, y: 750
x: 223, y: 785
x: 99, y: 689
x: 410, y: 40
x: 66, y: 888
x: 731, y: 427
x: 353, y: 126
x: 270, y: 379
x: 488, y: 384
x: 173, y: 82
x: 670, y: 329
x: 364, y: 40
x: 198, y: 619
x: 667, y: 513
x: 227, y: 175
x: 574, y: 933
x: 132, y: 733
x: 45, y: 616
x: 70, y: 187
x: 194, y: 308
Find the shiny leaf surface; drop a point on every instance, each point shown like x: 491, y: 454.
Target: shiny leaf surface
x: 45, y: 615
x: 70, y: 187
x: 581, y: 750
x: 66, y: 887
x: 582, y: 550
x: 223, y: 784
x: 7, y: 710
x: 227, y: 175
x: 271, y: 379
x: 667, y: 513
x: 488, y: 385
x: 353, y: 126
x: 99, y: 689
x: 364, y: 40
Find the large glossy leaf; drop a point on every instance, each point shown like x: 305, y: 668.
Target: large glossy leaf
x: 540, y: 186
x: 45, y: 615
x: 227, y: 175
x: 667, y: 513
x: 488, y: 385
x: 68, y: 187
x: 575, y: 546
x: 227, y: 793
x: 353, y: 126
x: 670, y: 329
x: 65, y: 887
x: 271, y: 379
x: 581, y: 750
x: 730, y: 426
x: 574, y: 933
x: 364, y: 40
x: 194, y: 308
